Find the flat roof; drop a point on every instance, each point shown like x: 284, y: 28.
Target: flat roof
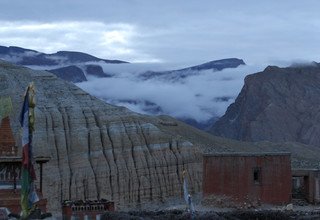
x: 16, y: 159
x: 8, y: 159
x: 304, y: 169
x: 246, y: 154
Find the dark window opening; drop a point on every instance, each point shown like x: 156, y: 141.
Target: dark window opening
x: 257, y: 175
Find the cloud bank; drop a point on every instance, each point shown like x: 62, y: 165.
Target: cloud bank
x: 199, y: 97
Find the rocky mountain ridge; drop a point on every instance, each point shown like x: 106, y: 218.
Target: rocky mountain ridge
x: 71, y: 66
x: 278, y: 104
x: 27, y: 57
x: 216, y: 65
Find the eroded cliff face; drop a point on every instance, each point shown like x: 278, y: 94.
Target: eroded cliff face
x: 278, y: 104
x: 98, y: 150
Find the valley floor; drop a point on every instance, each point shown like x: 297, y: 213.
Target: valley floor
x: 234, y: 215
x: 176, y: 210
x: 219, y: 208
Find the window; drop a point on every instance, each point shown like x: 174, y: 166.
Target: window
x: 257, y: 175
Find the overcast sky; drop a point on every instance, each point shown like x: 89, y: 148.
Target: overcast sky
x: 181, y: 31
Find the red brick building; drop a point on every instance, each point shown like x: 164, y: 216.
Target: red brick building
x: 248, y: 177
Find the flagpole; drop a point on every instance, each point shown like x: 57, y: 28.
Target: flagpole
x: 27, y: 120
x: 187, y: 196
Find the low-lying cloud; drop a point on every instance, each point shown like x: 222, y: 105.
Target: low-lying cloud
x: 199, y: 97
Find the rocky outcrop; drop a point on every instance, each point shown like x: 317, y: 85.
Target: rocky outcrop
x: 70, y: 73
x: 96, y: 70
x: 278, y: 104
x: 79, y: 73
x: 98, y: 150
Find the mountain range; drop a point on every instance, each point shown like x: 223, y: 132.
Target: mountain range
x: 68, y: 65
x: 77, y: 67
x: 276, y: 104
x: 27, y: 57
x: 73, y: 66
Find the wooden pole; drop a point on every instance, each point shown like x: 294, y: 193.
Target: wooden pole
x: 41, y: 177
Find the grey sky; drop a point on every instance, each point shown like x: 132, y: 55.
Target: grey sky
x: 183, y: 31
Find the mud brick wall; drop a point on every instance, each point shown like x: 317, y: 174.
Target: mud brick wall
x: 261, y: 178
x: 7, y: 142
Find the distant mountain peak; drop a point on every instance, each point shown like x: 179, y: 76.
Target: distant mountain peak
x: 218, y: 64
x: 22, y: 56
x: 215, y: 65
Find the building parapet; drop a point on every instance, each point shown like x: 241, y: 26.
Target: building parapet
x: 245, y: 154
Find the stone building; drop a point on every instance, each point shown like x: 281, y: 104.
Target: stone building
x: 306, y: 185
x: 248, y: 177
